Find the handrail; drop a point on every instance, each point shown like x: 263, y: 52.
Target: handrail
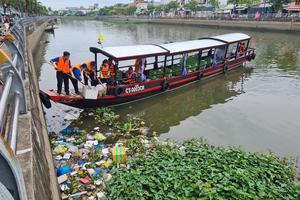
x: 13, y: 102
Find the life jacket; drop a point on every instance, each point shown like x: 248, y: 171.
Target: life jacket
x: 129, y: 77
x: 104, y: 71
x: 76, y: 66
x: 112, y: 69
x: 63, y: 66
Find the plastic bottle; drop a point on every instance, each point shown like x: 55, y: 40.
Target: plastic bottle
x: 70, y: 131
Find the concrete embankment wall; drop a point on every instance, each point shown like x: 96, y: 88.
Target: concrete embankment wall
x: 293, y: 27
x: 34, y: 152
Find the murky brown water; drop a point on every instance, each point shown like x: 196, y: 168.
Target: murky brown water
x: 256, y: 107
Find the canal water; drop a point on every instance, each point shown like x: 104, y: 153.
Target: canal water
x: 256, y: 107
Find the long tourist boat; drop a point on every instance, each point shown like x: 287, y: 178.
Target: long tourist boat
x: 168, y: 66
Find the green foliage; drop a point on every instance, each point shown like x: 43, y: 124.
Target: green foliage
x: 234, y: 2
x: 214, y: 3
x: 172, y: 5
x: 192, y: 5
x: 197, y: 170
x: 128, y: 126
x: 120, y: 10
x: 159, y: 8
x: 277, y: 4
x: 107, y: 117
x: 248, y: 2
x: 30, y: 6
x: 150, y: 9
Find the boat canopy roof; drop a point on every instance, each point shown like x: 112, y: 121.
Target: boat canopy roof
x: 232, y: 37
x: 119, y: 53
x: 131, y: 52
x: 193, y: 45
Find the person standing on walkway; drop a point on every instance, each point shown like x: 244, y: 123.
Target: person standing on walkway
x: 63, y: 68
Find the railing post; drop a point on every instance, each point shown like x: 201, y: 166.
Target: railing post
x: 14, y: 123
x: 5, y: 95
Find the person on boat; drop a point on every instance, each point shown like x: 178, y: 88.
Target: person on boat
x: 131, y: 76
x: 139, y: 68
x: 105, y: 72
x: 242, y: 48
x: 208, y: 59
x: 76, y: 71
x: 62, y: 66
x: 112, y: 70
x: 89, y: 73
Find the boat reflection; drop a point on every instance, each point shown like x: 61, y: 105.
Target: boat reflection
x: 169, y: 109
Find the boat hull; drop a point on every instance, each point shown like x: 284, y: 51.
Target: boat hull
x: 128, y: 93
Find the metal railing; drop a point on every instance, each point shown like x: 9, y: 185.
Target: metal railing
x: 12, y: 104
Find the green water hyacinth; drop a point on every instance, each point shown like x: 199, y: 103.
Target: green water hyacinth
x: 197, y: 170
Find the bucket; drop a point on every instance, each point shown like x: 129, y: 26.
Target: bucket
x: 102, y: 89
x: 90, y: 92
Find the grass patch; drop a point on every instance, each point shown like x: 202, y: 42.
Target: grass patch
x: 196, y: 170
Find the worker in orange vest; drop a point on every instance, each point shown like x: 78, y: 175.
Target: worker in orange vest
x: 76, y: 71
x: 131, y: 76
x: 104, y: 72
x: 62, y: 65
x: 89, y: 73
x: 112, y: 70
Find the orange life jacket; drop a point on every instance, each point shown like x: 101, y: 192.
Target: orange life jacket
x: 63, y: 66
x: 76, y: 66
x: 112, y: 69
x: 104, y: 71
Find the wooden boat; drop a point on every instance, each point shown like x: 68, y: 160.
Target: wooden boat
x: 169, y: 66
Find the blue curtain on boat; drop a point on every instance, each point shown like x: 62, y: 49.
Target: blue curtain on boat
x: 214, y: 61
x: 142, y: 75
x: 184, y: 71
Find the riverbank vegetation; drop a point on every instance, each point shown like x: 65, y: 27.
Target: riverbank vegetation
x: 197, y: 170
x: 26, y: 6
x: 162, y: 169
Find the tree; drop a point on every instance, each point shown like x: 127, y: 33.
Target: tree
x: 131, y: 10
x: 29, y: 6
x: 159, y: 8
x: 214, y: 3
x: 248, y: 2
x: 234, y: 2
x: 277, y: 4
x: 172, y: 5
x: 150, y: 9
x: 192, y: 5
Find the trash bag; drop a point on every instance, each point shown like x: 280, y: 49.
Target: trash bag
x: 99, y: 137
x: 60, y: 149
x: 65, y: 169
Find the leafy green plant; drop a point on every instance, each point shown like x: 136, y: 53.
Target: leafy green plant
x: 197, y: 170
x: 107, y: 117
